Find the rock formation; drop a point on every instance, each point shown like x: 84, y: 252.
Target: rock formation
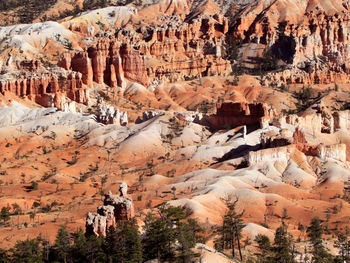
x: 115, y: 208
x: 230, y: 115
x: 96, y: 224
x: 182, y: 49
x: 47, y: 89
x: 280, y: 154
x: 146, y: 115
x: 336, y: 151
x: 270, y: 139
x: 106, y: 114
x: 123, y: 206
x: 312, y: 38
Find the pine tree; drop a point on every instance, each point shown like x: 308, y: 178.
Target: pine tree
x: 230, y: 231
x: 282, y: 246
x: 265, y: 249
x: 4, y: 257
x: 28, y: 251
x: 158, y: 239
x: 124, y: 244
x: 93, y: 250
x: 5, y: 214
x: 87, y: 249
x: 110, y: 244
x: 62, y: 244
x: 343, y: 244
x: 187, y: 239
x: 315, y: 231
x: 171, y: 236
x: 78, y: 248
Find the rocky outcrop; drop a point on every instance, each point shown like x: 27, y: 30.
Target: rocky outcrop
x: 47, y: 89
x: 146, y: 115
x: 230, y: 115
x: 271, y: 139
x: 114, y: 209
x: 96, y: 224
x: 322, y: 121
x: 123, y: 205
x: 336, y: 151
x: 108, y: 212
x: 190, y: 116
x: 169, y: 51
x: 107, y: 114
x: 341, y: 120
x: 281, y: 154
x: 314, y: 39
x: 314, y: 75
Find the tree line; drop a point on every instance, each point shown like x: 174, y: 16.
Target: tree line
x: 170, y: 236
x: 283, y: 249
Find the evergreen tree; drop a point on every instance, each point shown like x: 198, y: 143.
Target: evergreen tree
x: 78, y: 248
x: 130, y: 242
x: 315, y: 231
x: 186, y: 238
x: 5, y: 214
x: 123, y: 245
x: 87, y: 249
x: 230, y: 231
x: 343, y: 244
x: 158, y: 238
x: 265, y: 249
x: 93, y: 251
x: 4, y: 257
x: 171, y: 236
x: 62, y: 246
x: 110, y: 245
x: 28, y: 251
x: 282, y: 246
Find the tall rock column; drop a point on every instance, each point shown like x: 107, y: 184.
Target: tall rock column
x: 115, y: 208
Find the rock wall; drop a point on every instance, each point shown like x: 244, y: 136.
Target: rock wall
x: 281, y: 154
x: 313, y: 38
x: 341, y: 120
x: 47, y: 89
x: 230, y: 115
x: 170, y: 52
x: 336, y: 151
x: 324, y: 122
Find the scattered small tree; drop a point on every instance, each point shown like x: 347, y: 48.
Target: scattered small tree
x: 315, y: 231
x: 5, y: 214
x: 230, y: 231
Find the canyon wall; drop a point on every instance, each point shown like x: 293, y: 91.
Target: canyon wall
x: 312, y: 38
x: 47, y: 89
x: 230, y: 115
x: 167, y: 52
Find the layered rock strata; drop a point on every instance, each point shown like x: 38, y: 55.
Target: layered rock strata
x: 230, y: 115
x: 170, y: 52
x: 47, y: 89
x: 313, y: 38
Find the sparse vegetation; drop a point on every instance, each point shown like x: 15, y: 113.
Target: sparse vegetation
x: 5, y: 214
